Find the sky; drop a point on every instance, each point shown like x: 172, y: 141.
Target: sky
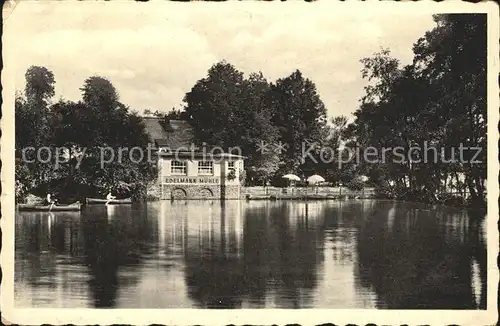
x: 154, y: 52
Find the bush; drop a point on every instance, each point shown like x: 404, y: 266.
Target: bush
x: 21, y: 192
x: 66, y: 190
x: 152, y: 197
x: 452, y: 200
x: 122, y: 190
x: 384, y: 192
x: 414, y: 195
x: 139, y: 192
x: 243, y: 176
x: 231, y: 175
x: 355, y: 184
x: 23, y: 180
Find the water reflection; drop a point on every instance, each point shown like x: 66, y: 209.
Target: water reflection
x: 424, y: 263
x: 42, y: 277
x: 215, y: 254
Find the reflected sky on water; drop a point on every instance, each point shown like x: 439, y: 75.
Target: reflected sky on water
x: 260, y: 254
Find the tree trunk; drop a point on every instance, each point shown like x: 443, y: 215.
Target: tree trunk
x: 472, y: 189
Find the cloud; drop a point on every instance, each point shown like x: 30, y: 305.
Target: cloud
x: 153, y: 57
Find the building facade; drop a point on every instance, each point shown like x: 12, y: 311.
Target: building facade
x: 199, y: 177
x: 188, y: 174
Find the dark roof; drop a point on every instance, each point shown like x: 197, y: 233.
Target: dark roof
x: 177, y: 133
x: 178, y: 125
x: 154, y: 128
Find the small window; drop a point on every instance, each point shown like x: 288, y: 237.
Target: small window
x: 179, y: 167
x: 205, y: 168
x: 231, y: 166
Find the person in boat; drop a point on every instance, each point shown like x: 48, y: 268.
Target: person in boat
x: 109, y: 197
x: 51, y: 200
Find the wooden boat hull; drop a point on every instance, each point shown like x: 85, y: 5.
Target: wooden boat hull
x: 111, y: 202
x: 257, y: 197
x: 303, y: 197
x: 45, y: 208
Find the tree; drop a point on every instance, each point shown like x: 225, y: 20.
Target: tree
x: 99, y: 92
x: 39, y: 86
x: 254, y: 125
x: 334, y: 163
x: 299, y: 115
x: 25, y: 121
x: 32, y: 116
x: 230, y: 111
x: 438, y: 102
x: 77, y: 128
x: 212, y: 104
x: 82, y: 127
x: 173, y: 114
x: 453, y: 57
x: 32, y: 111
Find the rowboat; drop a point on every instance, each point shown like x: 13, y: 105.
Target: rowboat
x: 257, y: 197
x: 104, y: 201
x: 55, y: 208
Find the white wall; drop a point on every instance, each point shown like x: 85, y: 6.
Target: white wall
x: 220, y: 169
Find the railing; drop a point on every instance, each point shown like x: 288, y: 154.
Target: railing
x: 333, y: 191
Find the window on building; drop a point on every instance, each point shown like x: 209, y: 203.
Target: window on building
x: 231, y: 166
x: 179, y: 167
x: 205, y: 168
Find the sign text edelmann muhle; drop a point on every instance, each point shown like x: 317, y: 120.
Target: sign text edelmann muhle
x: 193, y: 180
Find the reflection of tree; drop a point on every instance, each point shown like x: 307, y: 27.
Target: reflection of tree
x: 110, y: 245
x: 34, y: 256
x: 340, y: 225
x: 415, y: 269
x: 44, y: 242
x: 102, y: 259
x: 293, y: 264
x: 277, y: 257
x: 477, y: 240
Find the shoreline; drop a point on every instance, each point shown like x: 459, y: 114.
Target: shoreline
x: 319, y: 198
x: 246, y: 196
x: 273, y: 198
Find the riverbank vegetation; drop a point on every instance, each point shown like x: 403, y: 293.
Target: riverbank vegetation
x: 99, y: 119
x: 437, y: 103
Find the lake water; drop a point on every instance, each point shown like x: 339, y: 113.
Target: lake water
x: 260, y: 254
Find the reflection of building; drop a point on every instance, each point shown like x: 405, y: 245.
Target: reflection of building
x: 234, y: 254
x: 185, y: 171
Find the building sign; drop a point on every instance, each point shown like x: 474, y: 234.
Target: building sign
x: 193, y: 180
